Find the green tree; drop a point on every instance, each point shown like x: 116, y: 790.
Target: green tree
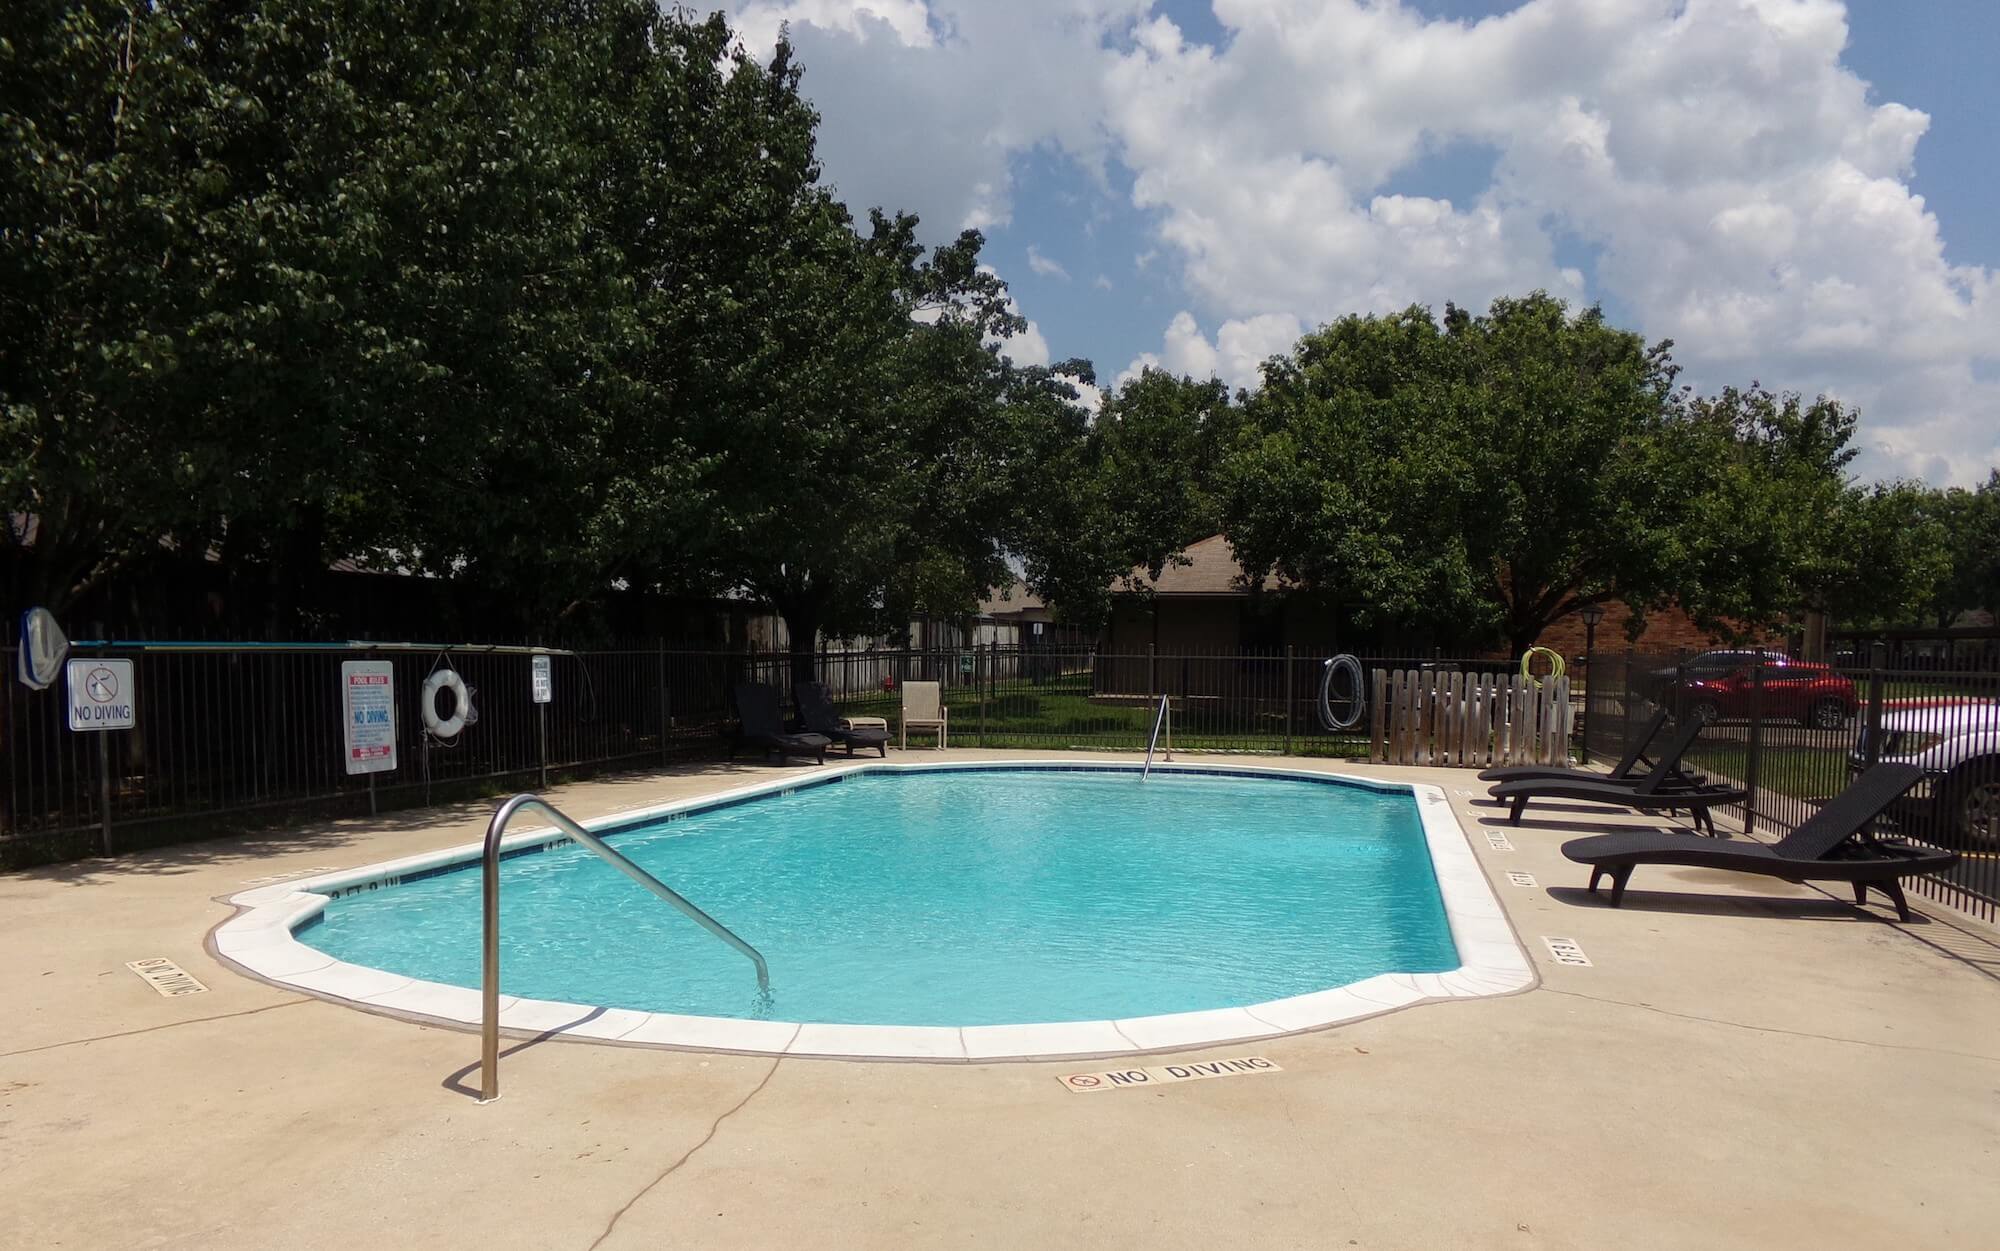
x: 1129, y: 491
x: 1780, y: 529
x: 1971, y: 525
x: 1477, y: 476
x: 305, y: 279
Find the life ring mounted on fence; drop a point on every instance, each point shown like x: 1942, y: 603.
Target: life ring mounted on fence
x: 461, y: 711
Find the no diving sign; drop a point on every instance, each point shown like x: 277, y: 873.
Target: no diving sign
x: 100, y: 695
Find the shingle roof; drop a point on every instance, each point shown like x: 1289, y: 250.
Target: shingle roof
x: 1015, y: 597
x: 1211, y: 570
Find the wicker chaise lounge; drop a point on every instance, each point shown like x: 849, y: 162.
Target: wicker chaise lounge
x: 1832, y: 845
x: 818, y: 716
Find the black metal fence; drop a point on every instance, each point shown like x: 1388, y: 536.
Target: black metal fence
x: 235, y: 736
x: 1794, y: 734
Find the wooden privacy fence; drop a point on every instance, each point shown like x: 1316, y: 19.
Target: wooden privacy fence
x: 1468, y: 720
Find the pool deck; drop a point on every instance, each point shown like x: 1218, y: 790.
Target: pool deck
x: 1743, y: 1064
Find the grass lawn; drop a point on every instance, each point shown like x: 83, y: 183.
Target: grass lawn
x: 1807, y: 773
x: 1982, y: 686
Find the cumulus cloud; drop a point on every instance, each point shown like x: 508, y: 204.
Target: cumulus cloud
x: 1089, y: 397
x: 925, y: 105
x: 1734, y: 184
x: 1026, y: 347
x: 1239, y: 347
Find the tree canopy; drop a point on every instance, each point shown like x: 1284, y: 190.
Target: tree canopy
x: 547, y: 298
x: 1487, y: 475
x: 537, y: 297
x: 1476, y: 475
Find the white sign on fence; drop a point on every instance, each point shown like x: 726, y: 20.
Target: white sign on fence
x: 368, y: 703
x: 541, y: 681
x: 100, y: 695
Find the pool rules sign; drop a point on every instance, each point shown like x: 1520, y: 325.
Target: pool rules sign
x: 100, y: 695
x: 368, y: 705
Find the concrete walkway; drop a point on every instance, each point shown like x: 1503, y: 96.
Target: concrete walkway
x: 1744, y: 1064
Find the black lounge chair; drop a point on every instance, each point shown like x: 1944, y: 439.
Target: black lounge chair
x: 1832, y: 845
x: 817, y: 715
x: 1657, y: 792
x: 763, y: 720
x: 1629, y: 771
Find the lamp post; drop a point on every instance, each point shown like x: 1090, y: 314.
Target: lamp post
x: 1592, y: 614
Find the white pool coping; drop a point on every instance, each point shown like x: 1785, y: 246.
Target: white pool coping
x: 260, y: 941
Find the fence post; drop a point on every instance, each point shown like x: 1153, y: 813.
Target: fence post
x: 1878, y: 656
x: 983, y: 659
x: 1152, y: 671
x: 1378, y: 717
x: 1754, y: 748
x: 665, y: 739
x: 1289, y: 657
x: 104, y: 784
x: 1631, y: 703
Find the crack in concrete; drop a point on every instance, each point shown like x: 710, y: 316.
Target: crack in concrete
x: 154, y: 1029
x: 687, y: 1155
x: 1773, y: 1029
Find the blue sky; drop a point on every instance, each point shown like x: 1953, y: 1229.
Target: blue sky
x: 1796, y: 191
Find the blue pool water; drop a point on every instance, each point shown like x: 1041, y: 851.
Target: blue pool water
x: 951, y: 898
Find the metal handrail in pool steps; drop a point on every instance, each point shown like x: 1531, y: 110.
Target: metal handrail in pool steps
x: 489, y: 1060
x: 1165, y: 716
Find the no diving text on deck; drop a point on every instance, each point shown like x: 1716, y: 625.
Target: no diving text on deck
x: 1163, y: 1074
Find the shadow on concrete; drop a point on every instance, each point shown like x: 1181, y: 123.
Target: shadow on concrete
x: 1580, y: 828
x: 1685, y: 904
x: 333, y: 836
x: 455, y: 1081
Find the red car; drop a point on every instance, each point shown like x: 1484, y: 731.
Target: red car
x: 1715, y: 686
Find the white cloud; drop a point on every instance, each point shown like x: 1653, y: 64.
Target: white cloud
x: 757, y: 23
x: 1103, y: 282
x: 925, y: 106
x: 1089, y: 397
x: 1028, y: 347
x: 1738, y: 188
x: 1044, y: 266
x: 1240, y: 346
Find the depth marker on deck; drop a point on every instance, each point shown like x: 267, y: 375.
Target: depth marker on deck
x: 1519, y: 878
x: 1565, y: 951
x: 1498, y: 841
x: 165, y: 976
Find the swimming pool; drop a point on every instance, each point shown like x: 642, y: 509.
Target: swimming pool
x: 940, y: 911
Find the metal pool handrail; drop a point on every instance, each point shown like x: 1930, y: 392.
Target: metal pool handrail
x: 1165, y: 716
x: 489, y: 1061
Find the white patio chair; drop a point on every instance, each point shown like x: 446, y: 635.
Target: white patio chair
x: 923, y: 709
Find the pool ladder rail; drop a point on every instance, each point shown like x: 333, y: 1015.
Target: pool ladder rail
x: 489, y: 1063
x: 1164, y: 717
